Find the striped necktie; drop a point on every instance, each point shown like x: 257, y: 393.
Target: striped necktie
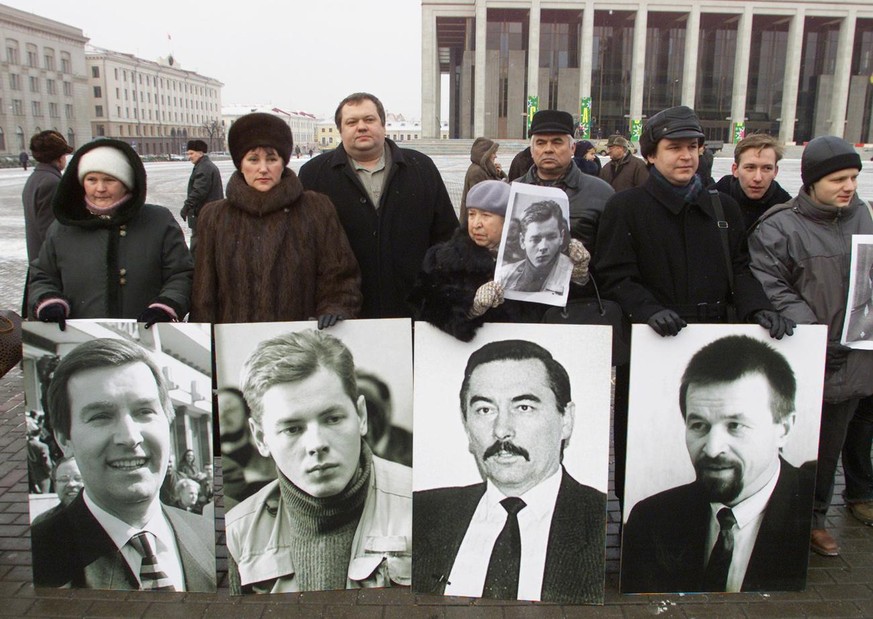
x: 151, y: 576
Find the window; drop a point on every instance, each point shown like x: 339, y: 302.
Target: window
x: 32, y: 56
x: 36, y: 108
x: 14, y: 81
x: 66, y: 63
x: 101, y: 130
x: 98, y: 92
x: 17, y: 107
x: 68, y: 112
x: 68, y: 89
x: 2, y: 139
x: 95, y: 71
x: 98, y: 111
x: 19, y: 133
x: 50, y: 87
x: 53, y: 110
x: 34, y: 83
x: 49, y: 60
x: 12, y: 52
x: 71, y: 138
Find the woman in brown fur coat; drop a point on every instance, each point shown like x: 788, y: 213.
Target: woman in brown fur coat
x: 271, y: 251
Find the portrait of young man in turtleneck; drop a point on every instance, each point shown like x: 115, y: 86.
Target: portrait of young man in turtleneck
x: 337, y: 516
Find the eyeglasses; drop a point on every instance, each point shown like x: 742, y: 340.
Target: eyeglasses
x: 65, y: 479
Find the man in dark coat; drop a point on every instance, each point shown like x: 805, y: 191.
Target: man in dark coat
x: 204, y: 186
x: 743, y: 524
x: 552, y: 148
x: 752, y: 181
x: 460, y: 549
x: 50, y: 150
x: 391, y: 201
x: 624, y: 170
x: 662, y: 256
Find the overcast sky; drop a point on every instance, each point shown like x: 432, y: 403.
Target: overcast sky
x: 301, y: 55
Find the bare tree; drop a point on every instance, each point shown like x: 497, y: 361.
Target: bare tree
x: 215, y: 130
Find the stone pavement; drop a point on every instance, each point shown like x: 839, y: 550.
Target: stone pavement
x: 837, y: 587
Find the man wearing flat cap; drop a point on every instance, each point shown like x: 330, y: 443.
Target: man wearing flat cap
x: 552, y: 147
x: 673, y: 253
x: 624, y: 170
x: 204, y: 186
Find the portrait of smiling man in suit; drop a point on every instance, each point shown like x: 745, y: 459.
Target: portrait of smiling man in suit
x: 110, y: 408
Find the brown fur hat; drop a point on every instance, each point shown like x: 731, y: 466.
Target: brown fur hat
x: 259, y: 129
x: 48, y: 146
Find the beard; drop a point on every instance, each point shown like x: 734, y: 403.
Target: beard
x: 719, y: 488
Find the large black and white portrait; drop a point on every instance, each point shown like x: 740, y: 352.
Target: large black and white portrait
x: 511, y: 462
x: 722, y: 440
x: 533, y: 262
x: 317, y: 425
x: 119, y: 444
x: 858, y: 324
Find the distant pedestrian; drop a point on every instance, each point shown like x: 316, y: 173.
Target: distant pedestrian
x: 483, y: 167
x: 23, y: 159
x: 585, y: 158
x: 204, y: 186
x: 50, y: 150
x: 624, y: 170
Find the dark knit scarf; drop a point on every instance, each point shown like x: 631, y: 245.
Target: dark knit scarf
x: 323, y: 529
x: 560, y: 183
x: 687, y: 193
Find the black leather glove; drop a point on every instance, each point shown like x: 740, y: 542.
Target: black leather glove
x: 54, y: 312
x: 666, y: 322
x: 184, y: 213
x: 836, y: 356
x: 328, y: 320
x: 776, y: 323
x: 151, y: 315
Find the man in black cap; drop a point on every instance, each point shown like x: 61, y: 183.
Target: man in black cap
x: 623, y: 171
x: 800, y: 252
x: 203, y: 186
x: 552, y: 147
x: 663, y: 255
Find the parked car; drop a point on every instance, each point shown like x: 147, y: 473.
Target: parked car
x: 600, y: 147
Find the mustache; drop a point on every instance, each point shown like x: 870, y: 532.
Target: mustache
x: 507, y: 447
x: 718, y: 462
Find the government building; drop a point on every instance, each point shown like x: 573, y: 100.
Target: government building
x: 795, y: 69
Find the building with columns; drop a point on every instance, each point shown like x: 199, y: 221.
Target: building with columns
x: 794, y: 68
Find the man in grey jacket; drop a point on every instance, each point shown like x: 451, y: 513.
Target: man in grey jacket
x: 204, y: 186
x: 800, y: 253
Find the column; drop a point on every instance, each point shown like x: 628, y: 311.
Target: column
x: 840, y: 95
x: 791, y: 79
x: 430, y: 76
x: 586, y: 50
x: 692, y: 49
x: 533, y: 50
x: 741, y: 70
x: 480, y: 68
x: 638, y: 64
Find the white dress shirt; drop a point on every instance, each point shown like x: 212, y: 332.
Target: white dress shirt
x: 467, y: 577
x: 749, y: 514
x: 166, y: 550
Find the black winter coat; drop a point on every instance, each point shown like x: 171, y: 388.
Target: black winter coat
x: 752, y: 209
x: 451, y: 274
x: 390, y: 242
x: 656, y: 252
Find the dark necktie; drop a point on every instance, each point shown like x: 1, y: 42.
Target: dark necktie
x: 150, y: 574
x: 501, y: 580
x: 715, y: 577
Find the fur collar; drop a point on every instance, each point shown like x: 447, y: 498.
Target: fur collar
x: 261, y: 203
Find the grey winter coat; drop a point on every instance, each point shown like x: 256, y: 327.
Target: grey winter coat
x: 801, y: 253
x: 39, y: 190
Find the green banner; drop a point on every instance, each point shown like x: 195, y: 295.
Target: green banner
x: 739, y: 131
x: 636, y: 128
x: 533, y: 104
x: 585, y: 117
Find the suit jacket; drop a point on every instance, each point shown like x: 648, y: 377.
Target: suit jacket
x: 664, y: 540
x: 71, y: 549
x: 575, y: 558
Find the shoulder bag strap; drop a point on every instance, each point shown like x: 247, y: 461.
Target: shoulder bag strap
x: 723, y: 235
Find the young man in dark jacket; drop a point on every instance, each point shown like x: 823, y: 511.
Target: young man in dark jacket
x: 204, y: 186
x: 752, y: 181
